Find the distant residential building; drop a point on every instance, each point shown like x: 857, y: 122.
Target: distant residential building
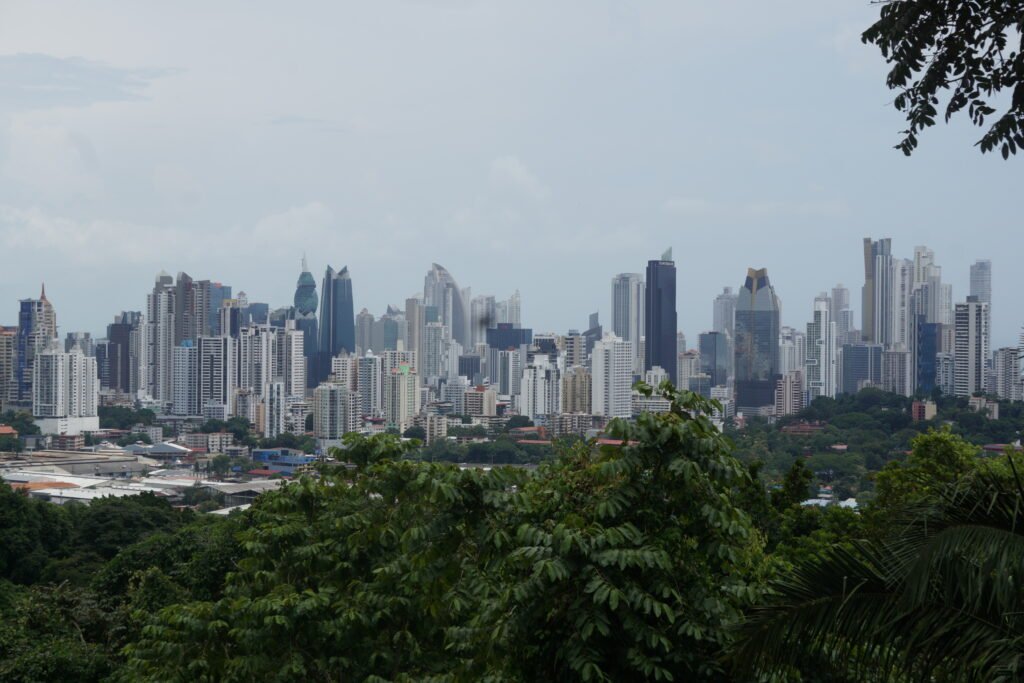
x: 612, y: 377
x: 401, y: 396
x: 897, y: 372
x: 789, y: 393
x: 945, y: 373
x: 971, y: 320
x: 336, y: 411
x: 481, y: 401
x: 1006, y: 369
x: 540, y: 389
x: 921, y: 411
x: 576, y: 391
x: 821, y: 364
x: 65, y: 391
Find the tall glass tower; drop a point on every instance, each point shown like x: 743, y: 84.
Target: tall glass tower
x: 337, y: 320
x: 304, y: 314
x: 757, y: 341
x: 660, y: 315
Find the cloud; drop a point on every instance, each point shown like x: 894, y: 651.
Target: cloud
x: 38, y: 81
x: 511, y: 173
x: 86, y: 242
x: 690, y: 206
x: 686, y: 206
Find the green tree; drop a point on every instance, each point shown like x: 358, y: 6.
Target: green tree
x: 937, y: 599
x: 21, y: 421
x: 796, y: 487
x: 517, y: 421
x: 611, y: 563
x: 415, y: 432
x: 961, y: 48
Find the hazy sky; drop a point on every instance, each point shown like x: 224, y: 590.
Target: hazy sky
x: 543, y: 146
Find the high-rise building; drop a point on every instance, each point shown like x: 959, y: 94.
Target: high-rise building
x: 337, y: 319
x: 981, y: 281
x: 303, y: 312
x: 336, y: 412
x: 442, y: 292
x: 926, y: 351
x: 160, y: 338
x: 539, y: 389
x: 972, y: 346
x: 576, y: 388
x: 65, y: 391
x: 660, y: 324
x: 757, y: 342
x: 901, y: 308
x: 401, y: 395
x: 945, y: 373
x: 897, y: 372
x: 1006, y: 367
x: 371, y: 386
x: 725, y: 312
x: 715, y: 357
x: 185, y: 379
x: 8, y: 362
x: 612, y: 377
x: 792, y: 350
x: 877, y: 295
x: 628, y: 307
x: 482, y: 316
x: 789, y: 394
x: 364, y: 332
x: 821, y: 365
x: 37, y: 326
x: 862, y: 367
x: 218, y: 373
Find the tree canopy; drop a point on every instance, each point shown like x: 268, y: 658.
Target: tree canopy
x: 951, y: 55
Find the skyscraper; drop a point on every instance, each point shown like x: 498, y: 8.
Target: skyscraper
x: 628, y: 304
x: 37, y: 326
x: 159, y: 338
x: 337, y: 319
x: 821, y: 366
x: 612, y: 377
x: 757, y: 342
x: 714, y: 357
x: 660, y: 325
x: 725, y: 312
x: 981, y: 281
x: 971, y: 350
x: 876, y: 296
x: 441, y: 291
x: 65, y: 390
x: 304, y: 314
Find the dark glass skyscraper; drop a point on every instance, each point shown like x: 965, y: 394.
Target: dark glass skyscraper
x: 660, y: 325
x: 757, y: 341
x: 337, y: 319
x: 714, y: 357
x: 304, y: 314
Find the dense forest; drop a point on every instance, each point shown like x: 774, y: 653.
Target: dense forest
x: 663, y: 558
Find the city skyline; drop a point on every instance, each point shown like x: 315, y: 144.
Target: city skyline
x: 791, y: 315
x: 612, y: 138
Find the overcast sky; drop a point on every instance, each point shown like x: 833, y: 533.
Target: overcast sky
x: 544, y: 146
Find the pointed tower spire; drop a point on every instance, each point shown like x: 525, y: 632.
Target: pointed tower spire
x: 42, y: 295
x: 305, y: 268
